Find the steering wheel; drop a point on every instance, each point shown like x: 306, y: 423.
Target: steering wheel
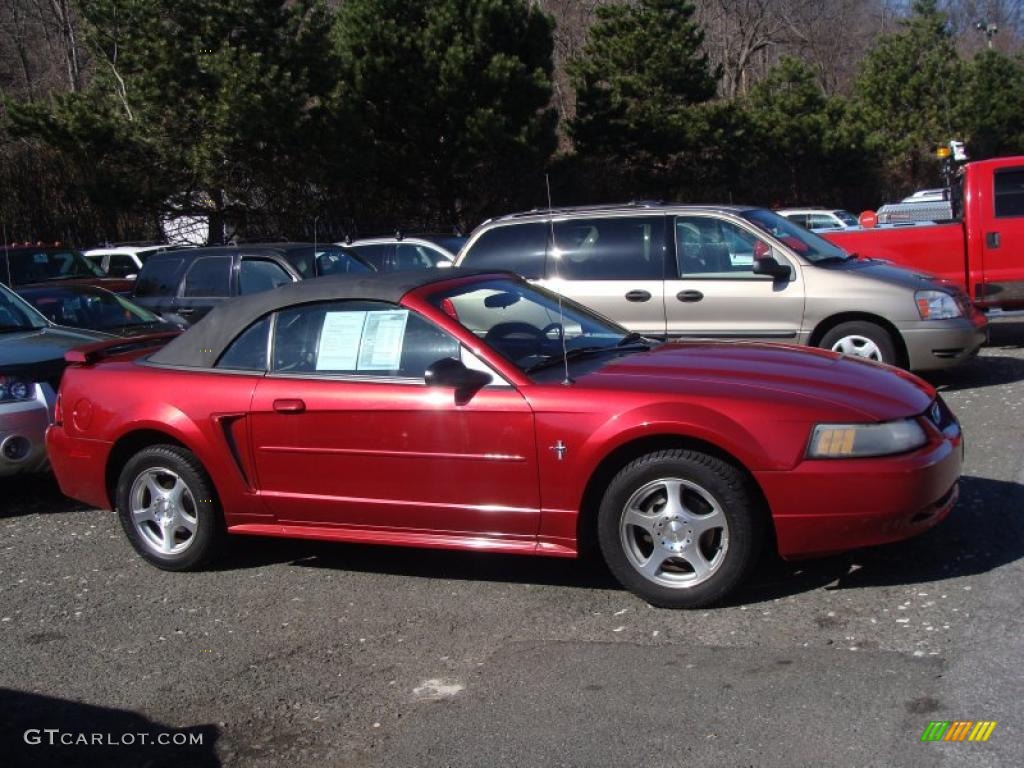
x: 516, y: 339
x: 553, y: 328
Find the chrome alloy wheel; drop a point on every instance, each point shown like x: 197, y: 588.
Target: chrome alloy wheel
x: 674, y: 533
x: 858, y: 346
x: 163, y: 511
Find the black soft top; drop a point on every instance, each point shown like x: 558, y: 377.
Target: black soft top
x: 202, y: 344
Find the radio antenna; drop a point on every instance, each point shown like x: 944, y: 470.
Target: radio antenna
x: 7, y: 258
x: 561, y: 318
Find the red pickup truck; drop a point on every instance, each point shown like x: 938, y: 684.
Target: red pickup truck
x: 982, y: 251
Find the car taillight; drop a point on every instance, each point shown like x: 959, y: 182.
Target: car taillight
x: 58, y: 412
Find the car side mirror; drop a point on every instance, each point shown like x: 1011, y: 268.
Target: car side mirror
x: 450, y: 372
x: 768, y: 265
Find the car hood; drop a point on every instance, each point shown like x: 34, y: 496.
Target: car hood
x: 41, y: 345
x: 112, y: 284
x: 886, y: 272
x: 862, y: 389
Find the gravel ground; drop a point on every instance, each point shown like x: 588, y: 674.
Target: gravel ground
x: 332, y: 655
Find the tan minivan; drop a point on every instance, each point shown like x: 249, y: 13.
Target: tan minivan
x: 732, y: 272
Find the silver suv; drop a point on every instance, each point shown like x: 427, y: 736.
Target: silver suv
x: 731, y: 272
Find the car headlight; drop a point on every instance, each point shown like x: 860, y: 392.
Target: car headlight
x: 937, y: 305
x: 843, y: 441
x: 14, y: 388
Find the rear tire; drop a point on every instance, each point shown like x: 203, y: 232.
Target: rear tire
x: 168, y: 509
x: 860, y: 338
x: 680, y: 528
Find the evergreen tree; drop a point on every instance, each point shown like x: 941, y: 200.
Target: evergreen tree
x: 641, y: 72
x: 906, y: 93
x: 213, y: 103
x: 444, y: 104
x: 992, y: 105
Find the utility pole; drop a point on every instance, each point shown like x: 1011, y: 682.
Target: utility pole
x: 987, y: 29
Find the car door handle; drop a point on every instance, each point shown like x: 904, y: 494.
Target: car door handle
x: 689, y: 296
x: 638, y: 296
x: 289, y: 406
x: 185, y: 311
x: 992, y: 239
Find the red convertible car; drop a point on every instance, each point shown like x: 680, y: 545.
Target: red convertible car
x: 475, y: 411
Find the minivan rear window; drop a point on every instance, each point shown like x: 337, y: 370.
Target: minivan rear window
x: 517, y: 248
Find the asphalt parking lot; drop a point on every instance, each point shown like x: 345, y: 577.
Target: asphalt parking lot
x: 329, y: 655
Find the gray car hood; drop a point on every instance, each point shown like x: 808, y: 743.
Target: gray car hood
x: 41, y: 345
x: 887, y: 272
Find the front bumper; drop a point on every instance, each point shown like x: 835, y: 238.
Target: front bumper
x: 22, y: 432
x: 831, y: 505
x: 936, y: 344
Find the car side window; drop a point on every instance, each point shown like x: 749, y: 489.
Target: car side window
x: 256, y: 275
x: 377, y: 254
x: 358, y: 338
x: 337, y: 261
x: 821, y: 221
x: 412, y: 256
x: 208, y: 277
x: 1009, y: 193
x: 248, y: 352
x: 159, y: 277
x: 708, y: 247
x: 518, y: 248
x: 121, y: 265
x: 619, y: 248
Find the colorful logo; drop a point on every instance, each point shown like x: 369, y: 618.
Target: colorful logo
x: 958, y: 730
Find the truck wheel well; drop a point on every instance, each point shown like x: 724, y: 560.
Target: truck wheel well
x: 126, y: 447
x: 586, y: 526
x: 829, y: 323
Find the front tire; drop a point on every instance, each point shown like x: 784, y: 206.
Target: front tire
x: 167, y: 507
x: 680, y: 528
x: 861, y: 339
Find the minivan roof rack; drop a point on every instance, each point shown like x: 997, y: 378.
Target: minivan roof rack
x: 588, y: 208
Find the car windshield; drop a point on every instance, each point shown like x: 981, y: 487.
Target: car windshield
x: 524, y: 323
x: 847, y: 218
x: 801, y: 241
x: 16, y: 314
x: 95, y: 309
x: 37, y: 266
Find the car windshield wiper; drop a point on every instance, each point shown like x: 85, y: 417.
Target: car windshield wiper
x: 833, y: 259
x: 578, y: 352
x: 631, y: 339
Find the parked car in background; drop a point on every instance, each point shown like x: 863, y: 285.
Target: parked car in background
x: 124, y: 260
x: 182, y: 286
x: 320, y: 259
x: 420, y: 251
x: 96, y: 309
x: 31, y: 362
x: 474, y: 411
x: 731, y: 272
x: 820, y: 218
x: 981, y: 250
x: 32, y: 264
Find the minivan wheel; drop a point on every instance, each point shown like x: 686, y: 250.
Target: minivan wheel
x: 680, y: 528
x: 861, y: 339
x: 165, y: 502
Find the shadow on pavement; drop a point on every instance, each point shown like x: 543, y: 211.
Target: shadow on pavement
x: 984, y: 531
x: 586, y: 573
x: 120, y: 733
x: 33, y: 494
